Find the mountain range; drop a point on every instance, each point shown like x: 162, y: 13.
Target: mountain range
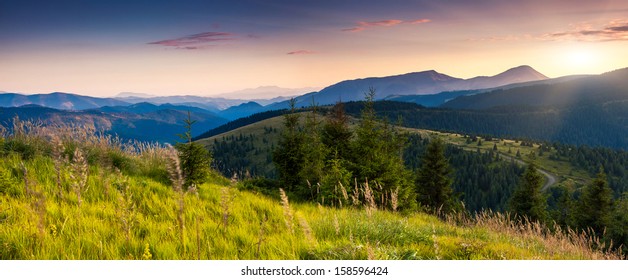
x: 58, y: 100
x: 555, y: 101
x: 423, y: 83
x: 418, y: 83
x: 436, y: 100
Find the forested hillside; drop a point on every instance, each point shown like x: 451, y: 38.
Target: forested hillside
x: 482, y: 178
x: 592, y: 125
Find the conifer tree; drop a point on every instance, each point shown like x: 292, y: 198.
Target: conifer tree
x: 336, y: 134
x: 375, y: 156
x: 289, y: 156
x: 195, y: 159
x: 527, y: 200
x: 618, y: 229
x: 564, y: 208
x: 433, y: 179
x: 595, y: 205
x: 315, y: 153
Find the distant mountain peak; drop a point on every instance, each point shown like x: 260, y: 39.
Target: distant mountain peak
x: 436, y: 76
x: 524, y: 71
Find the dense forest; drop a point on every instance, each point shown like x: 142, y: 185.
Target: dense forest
x: 483, y: 180
x: 593, y: 125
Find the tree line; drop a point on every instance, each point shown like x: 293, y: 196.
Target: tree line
x: 327, y: 158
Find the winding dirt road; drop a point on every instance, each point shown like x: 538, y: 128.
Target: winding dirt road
x: 550, y: 178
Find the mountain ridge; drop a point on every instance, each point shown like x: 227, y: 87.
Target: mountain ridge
x: 414, y: 83
x: 58, y: 100
x: 607, y: 87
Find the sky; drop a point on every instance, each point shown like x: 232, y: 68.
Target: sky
x: 102, y: 48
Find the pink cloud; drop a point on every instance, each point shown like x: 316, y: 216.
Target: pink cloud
x: 301, y: 52
x: 354, y: 29
x: 363, y: 25
x: 616, y: 30
x: 418, y: 21
x: 196, y: 41
x: 388, y: 22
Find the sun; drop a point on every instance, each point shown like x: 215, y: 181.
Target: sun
x: 580, y: 58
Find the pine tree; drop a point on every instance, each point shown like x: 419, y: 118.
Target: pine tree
x: 563, y: 211
x: 336, y: 134
x: 433, y: 179
x: 527, y: 200
x: 289, y: 156
x: 595, y: 205
x: 375, y: 156
x: 618, y: 229
x: 314, y: 153
x: 195, y: 159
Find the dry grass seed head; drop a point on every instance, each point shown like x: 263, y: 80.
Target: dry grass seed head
x: 307, y: 231
x: 287, y: 212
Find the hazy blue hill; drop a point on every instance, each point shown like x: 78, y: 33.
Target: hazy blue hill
x: 145, y: 107
x: 242, y: 110
x: 160, y: 126
x: 432, y: 100
x: 58, y: 100
x: 205, y: 102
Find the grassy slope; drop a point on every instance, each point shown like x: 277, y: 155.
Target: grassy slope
x: 258, y: 129
x: 55, y: 226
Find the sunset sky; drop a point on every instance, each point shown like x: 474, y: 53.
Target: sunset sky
x: 102, y: 48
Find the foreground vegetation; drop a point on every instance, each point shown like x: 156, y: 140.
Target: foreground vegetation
x: 70, y: 193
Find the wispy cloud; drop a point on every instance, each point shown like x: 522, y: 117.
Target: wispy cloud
x: 616, y: 30
x: 363, y: 25
x: 196, y: 41
x: 301, y: 52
